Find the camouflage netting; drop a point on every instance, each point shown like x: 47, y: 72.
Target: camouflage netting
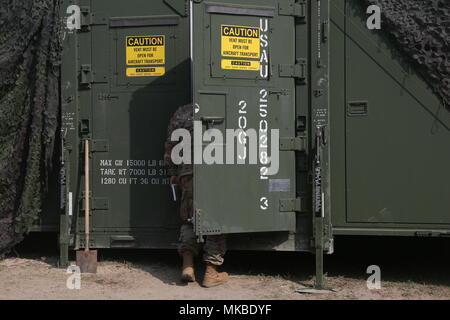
x: 421, y: 29
x: 29, y: 99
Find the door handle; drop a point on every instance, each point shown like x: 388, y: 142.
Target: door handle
x: 211, y: 121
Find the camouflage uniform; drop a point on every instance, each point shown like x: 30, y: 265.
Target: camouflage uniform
x: 215, y: 246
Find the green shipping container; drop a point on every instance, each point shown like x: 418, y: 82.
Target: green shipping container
x: 364, y: 142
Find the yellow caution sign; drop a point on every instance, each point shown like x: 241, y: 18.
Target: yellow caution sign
x: 245, y: 65
x: 146, y: 72
x: 241, y: 42
x: 243, y: 45
x: 145, y: 50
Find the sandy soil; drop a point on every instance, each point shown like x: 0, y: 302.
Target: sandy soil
x: 154, y: 275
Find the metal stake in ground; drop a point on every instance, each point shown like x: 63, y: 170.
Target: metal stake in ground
x: 86, y: 259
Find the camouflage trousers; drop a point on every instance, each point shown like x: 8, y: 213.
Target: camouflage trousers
x: 215, y: 246
x: 213, y: 250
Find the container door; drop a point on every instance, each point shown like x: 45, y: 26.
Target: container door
x: 244, y: 69
x: 133, y: 66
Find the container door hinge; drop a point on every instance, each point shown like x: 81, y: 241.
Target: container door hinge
x: 292, y: 205
x: 196, y: 221
x: 86, y: 19
x: 298, y: 143
x: 297, y: 70
x: 86, y: 75
x: 294, y: 9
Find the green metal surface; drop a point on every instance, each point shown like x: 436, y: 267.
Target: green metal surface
x: 390, y: 135
x: 125, y: 119
x: 384, y: 155
x: 238, y: 198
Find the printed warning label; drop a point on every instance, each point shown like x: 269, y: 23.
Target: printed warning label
x: 241, y: 42
x: 243, y: 45
x: 146, y: 72
x: 145, y: 50
x: 240, y: 65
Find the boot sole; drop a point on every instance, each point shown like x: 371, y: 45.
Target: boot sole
x: 214, y: 284
x: 187, y: 278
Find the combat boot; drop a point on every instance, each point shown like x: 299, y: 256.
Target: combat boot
x: 187, y: 274
x: 213, y: 277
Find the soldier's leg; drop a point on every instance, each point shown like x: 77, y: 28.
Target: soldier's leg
x: 213, y: 255
x: 188, y: 247
x: 188, y: 240
x: 214, y: 249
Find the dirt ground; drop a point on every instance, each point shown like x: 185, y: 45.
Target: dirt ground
x: 410, y: 274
